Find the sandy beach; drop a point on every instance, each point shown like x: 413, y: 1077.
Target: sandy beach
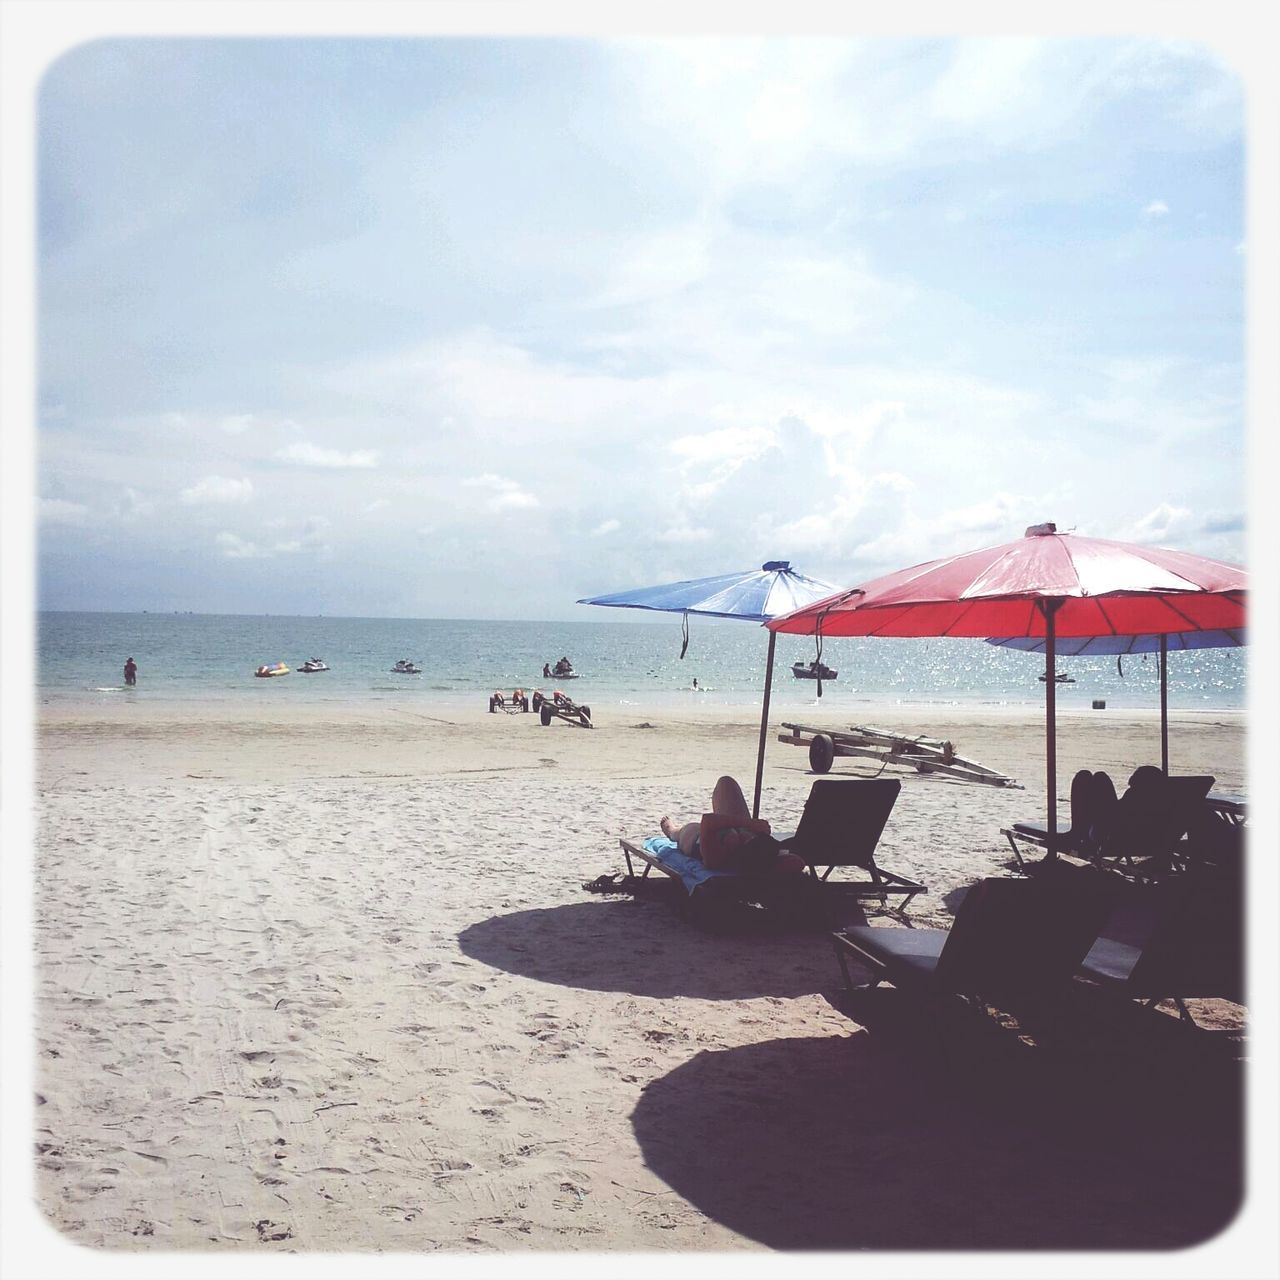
x: 327, y: 979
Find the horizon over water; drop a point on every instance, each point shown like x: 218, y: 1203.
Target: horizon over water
x: 635, y: 662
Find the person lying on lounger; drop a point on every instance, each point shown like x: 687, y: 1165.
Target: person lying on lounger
x: 722, y: 837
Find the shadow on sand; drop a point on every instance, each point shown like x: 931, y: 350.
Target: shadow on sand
x: 936, y: 1129
x: 646, y: 949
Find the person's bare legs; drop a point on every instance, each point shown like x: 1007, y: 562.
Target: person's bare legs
x: 727, y: 798
x: 686, y: 837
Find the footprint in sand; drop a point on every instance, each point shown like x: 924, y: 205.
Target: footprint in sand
x: 268, y: 1231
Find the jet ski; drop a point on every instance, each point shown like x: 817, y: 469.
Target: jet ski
x: 406, y: 668
x: 812, y: 671
x: 314, y: 664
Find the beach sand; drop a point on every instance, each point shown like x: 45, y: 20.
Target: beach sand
x: 327, y: 979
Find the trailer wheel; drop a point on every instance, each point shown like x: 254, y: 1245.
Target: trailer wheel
x: 822, y: 751
x: 524, y: 704
x: 545, y: 713
x: 491, y: 704
x: 584, y: 714
x: 538, y: 700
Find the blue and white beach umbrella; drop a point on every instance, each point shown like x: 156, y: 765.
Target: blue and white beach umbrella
x: 1121, y: 646
x: 755, y: 595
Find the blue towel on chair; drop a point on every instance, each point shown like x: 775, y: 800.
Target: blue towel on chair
x: 691, y: 871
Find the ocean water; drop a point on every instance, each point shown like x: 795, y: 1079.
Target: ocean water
x: 184, y: 656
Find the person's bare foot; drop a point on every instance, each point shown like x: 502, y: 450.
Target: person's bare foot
x: 668, y: 828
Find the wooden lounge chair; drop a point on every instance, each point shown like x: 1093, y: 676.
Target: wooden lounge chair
x: 1015, y: 943
x: 1184, y: 940
x: 841, y: 825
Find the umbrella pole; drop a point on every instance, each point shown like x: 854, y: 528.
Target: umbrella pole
x: 764, y: 725
x: 1164, y: 703
x: 1051, y: 726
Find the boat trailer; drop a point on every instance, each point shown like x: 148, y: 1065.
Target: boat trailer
x: 561, y: 706
x: 517, y: 701
x: 924, y: 755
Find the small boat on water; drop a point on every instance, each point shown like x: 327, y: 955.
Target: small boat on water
x: 272, y: 669
x: 314, y: 664
x: 406, y: 668
x: 1060, y: 677
x: 563, y: 670
x: 812, y: 671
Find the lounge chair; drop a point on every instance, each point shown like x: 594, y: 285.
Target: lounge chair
x: 1214, y: 843
x: 841, y: 825
x: 1078, y: 838
x: 1184, y: 939
x: 1156, y: 811
x: 715, y: 897
x: 657, y: 853
x: 1015, y: 943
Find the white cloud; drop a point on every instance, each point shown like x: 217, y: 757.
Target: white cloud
x: 485, y: 385
x: 235, y: 547
x: 215, y: 490
x: 816, y: 533
x: 507, y: 494
x: 130, y: 506
x: 311, y: 455
x: 514, y: 500
x: 606, y: 527
x: 237, y: 424
x: 987, y: 82
x: 1156, y: 209
x: 708, y: 461
x: 1162, y: 524
x: 60, y: 511
x: 310, y: 537
x: 994, y: 516
x: 683, y: 532
x: 912, y: 538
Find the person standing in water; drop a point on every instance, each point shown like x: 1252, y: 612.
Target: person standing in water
x: 130, y: 672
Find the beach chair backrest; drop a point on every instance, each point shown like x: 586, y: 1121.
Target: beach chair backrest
x: 1196, y: 946
x: 1140, y: 820
x: 843, y: 820
x: 1215, y: 842
x: 1187, y: 793
x: 1019, y: 939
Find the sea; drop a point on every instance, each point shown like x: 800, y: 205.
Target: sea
x: 212, y: 657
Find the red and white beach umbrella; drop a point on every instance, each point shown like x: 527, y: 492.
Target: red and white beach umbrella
x: 1045, y: 584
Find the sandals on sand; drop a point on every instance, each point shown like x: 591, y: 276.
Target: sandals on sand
x: 610, y: 882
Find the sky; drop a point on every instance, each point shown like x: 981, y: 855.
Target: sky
x: 475, y: 327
